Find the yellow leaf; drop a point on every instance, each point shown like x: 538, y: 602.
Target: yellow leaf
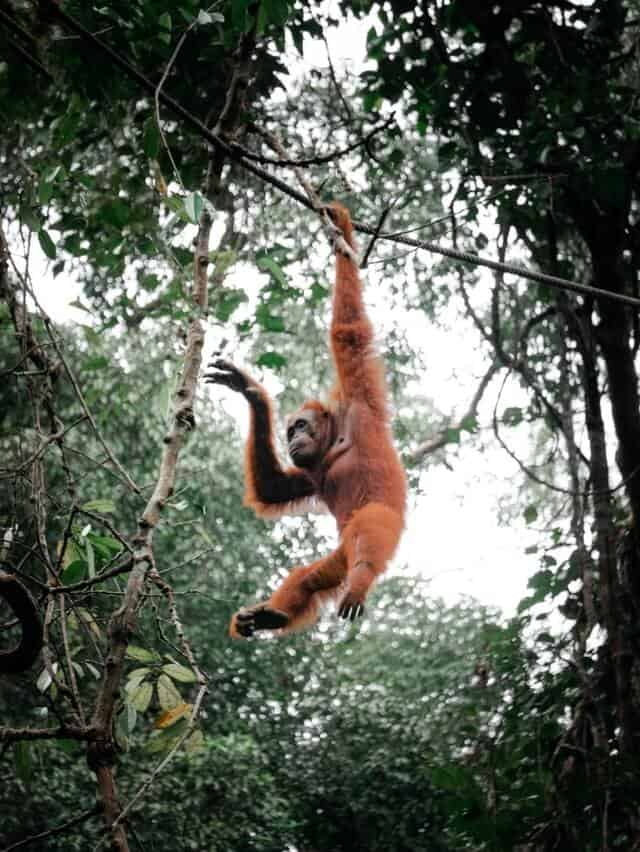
x: 170, y: 717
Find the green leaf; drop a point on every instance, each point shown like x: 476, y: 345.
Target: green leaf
x: 228, y: 301
x: 168, y: 695
x: 205, y: 535
x: 78, y: 304
x: 271, y: 359
x: 91, y: 559
x: 120, y: 731
x: 545, y: 637
x: 269, y: 321
x: 541, y: 582
x: 318, y: 293
x: 93, y: 670
x: 98, y: 362
x: 193, y: 205
x: 239, y: 17
x: 194, y: 742
x: 452, y: 436
x: 103, y: 507
x: 180, y: 673
x: 53, y: 173
x: 115, y: 213
x: 530, y: 513
x: 29, y: 217
x: 65, y: 129
x: 105, y: 543
x: 91, y: 623
x: 140, y: 698
x: 45, y: 192
x: 165, y: 739
x: 68, y: 746
x: 276, y: 12
x: 151, y: 138
x: 23, y: 761
x: 263, y: 18
x: 135, y: 652
x: 74, y: 572
x: 268, y: 264
x: 132, y: 716
x: 136, y: 676
x: 46, y: 244
x: 512, y: 416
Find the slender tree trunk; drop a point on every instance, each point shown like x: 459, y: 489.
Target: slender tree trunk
x: 605, y: 535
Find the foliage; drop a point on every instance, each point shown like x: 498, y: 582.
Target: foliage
x: 426, y: 726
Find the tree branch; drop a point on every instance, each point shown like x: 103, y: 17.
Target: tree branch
x: 442, y: 437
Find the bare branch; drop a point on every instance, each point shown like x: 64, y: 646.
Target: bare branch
x: 60, y: 829
x: 372, y: 241
x: 319, y: 159
x: 63, y: 732
x: 442, y: 437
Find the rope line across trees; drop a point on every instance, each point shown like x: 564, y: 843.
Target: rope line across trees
x: 237, y: 153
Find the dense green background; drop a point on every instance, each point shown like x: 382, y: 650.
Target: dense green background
x: 427, y: 726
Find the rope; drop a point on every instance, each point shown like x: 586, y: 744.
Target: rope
x: 232, y: 152
x: 509, y: 268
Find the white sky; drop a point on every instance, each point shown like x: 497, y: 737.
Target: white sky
x: 453, y: 538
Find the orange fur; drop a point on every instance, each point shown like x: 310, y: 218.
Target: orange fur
x: 359, y: 477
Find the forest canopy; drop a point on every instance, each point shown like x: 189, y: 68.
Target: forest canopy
x: 162, y: 168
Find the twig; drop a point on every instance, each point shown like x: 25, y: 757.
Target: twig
x: 372, y: 241
x: 168, y: 593
x: 319, y: 159
x: 60, y: 829
x: 50, y: 439
x: 66, y: 732
x: 80, y: 397
x: 432, y: 444
x: 156, y: 99
x: 73, y: 681
x: 523, y: 467
x: 345, y: 103
x: 334, y: 235
x: 166, y: 760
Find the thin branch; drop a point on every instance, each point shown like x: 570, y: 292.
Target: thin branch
x: 334, y: 235
x: 60, y: 829
x: 372, y: 241
x: 195, y: 712
x: 156, y: 99
x: 63, y: 732
x: 442, y: 437
x: 50, y: 439
x: 523, y: 467
x: 345, y: 103
x: 319, y: 159
x: 83, y: 404
x: 73, y: 681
